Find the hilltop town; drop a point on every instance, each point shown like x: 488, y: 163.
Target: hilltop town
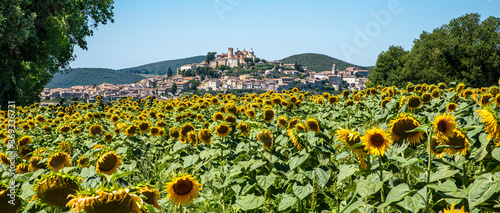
x: 240, y: 70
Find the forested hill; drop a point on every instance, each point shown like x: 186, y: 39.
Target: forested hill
x: 91, y: 76
x: 161, y: 68
x: 319, y: 62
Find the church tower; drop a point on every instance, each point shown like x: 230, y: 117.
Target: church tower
x: 334, y: 69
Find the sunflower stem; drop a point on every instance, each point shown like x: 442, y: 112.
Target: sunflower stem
x: 382, y: 193
x: 429, y: 160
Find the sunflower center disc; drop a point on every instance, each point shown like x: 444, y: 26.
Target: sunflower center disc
x: 377, y: 140
x: 442, y: 126
x: 183, y: 187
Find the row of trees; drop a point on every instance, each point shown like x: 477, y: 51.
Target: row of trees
x: 466, y: 50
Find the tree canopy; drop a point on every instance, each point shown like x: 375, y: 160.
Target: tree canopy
x: 466, y: 50
x: 37, y: 40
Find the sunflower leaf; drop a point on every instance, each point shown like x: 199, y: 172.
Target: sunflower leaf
x: 250, y: 202
x: 302, y: 191
x: 287, y: 202
x: 265, y: 181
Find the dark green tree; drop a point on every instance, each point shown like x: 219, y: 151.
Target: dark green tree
x: 193, y: 84
x: 465, y: 50
x: 37, y: 40
x: 210, y: 56
x: 388, y: 69
x: 173, y: 88
x: 169, y: 72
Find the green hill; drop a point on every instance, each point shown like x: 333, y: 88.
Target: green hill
x: 319, y: 62
x: 161, y: 68
x: 91, y: 76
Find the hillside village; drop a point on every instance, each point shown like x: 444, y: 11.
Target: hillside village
x: 160, y: 86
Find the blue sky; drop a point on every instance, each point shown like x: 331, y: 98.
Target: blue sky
x: 354, y: 31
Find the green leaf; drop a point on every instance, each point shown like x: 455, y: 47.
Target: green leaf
x: 171, y: 168
x: 423, y: 128
x: 179, y: 145
x: 287, y: 202
x: 122, y: 150
x: 190, y: 160
x: 297, y: 161
x: 302, y: 191
x: 266, y: 181
x: 256, y: 164
x: 496, y: 154
x: 447, y: 186
x: 346, y: 171
x: 342, y: 155
x: 351, y: 207
x: 481, y: 190
x: 206, y: 154
x: 120, y: 175
x: 413, y: 203
x: 396, y: 194
x: 250, y: 202
x: 366, y: 188
x: 322, y: 176
x: 442, y: 174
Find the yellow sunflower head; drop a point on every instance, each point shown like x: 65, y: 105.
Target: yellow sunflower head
x: 40, y: 119
x: 231, y: 119
x: 95, y: 130
x: 453, y: 210
x: 266, y: 137
x: 152, y: 196
x: 444, y: 125
x: 218, y: 116
x: 351, y: 138
x: 108, y: 163
x: 223, y: 130
x: 59, y: 160
x: 174, y: 132
x: 300, y: 127
x: 490, y: 120
x: 205, y: 136
x: 183, y: 190
x: 65, y: 147
x: 8, y: 204
x: 130, y: 131
x: 451, y: 107
x: 24, y: 141
x: 282, y: 121
x: 251, y: 113
x: 384, y: 102
x: 4, y: 158
x: 401, y: 125
x: 187, y: 127
x: 458, y: 142
x: 376, y: 141
x: 36, y: 163
x: 144, y: 127
x: 312, y: 125
x: 349, y: 102
x: 414, y: 102
x: 332, y: 99
x: 292, y: 134
x: 55, y: 189
x: 436, y: 93
x: 192, y: 138
x: 106, y: 201
x: 23, y: 168
x: 485, y: 99
x: 268, y: 114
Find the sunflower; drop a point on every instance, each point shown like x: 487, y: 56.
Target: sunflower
x: 192, y: 138
x: 268, y: 115
x: 151, y: 195
x: 174, y: 132
x: 26, y: 152
x: 384, y: 102
x: 8, y: 204
x: 222, y: 130
x: 154, y: 131
x: 485, y: 99
x: 23, y: 168
x: 114, y: 201
x: 312, y: 125
x: 444, y: 125
x: 36, y: 163
x: 144, y: 127
x: 300, y: 127
x: 4, y: 159
x: 351, y: 138
x: 453, y: 210
x: 218, y: 116
x: 95, y: 130
x: 497, y: 100
x: 266, y: 137
x: 426, y: 97
x: 59, y: 160
x: 333, y: 99
x: 491, y: 125
x: 130, y: 131
x: 182, y: 190
x: 65, y: 147
x: 436, y: 93
x: 108, y: 163
x: 188, y: 127
x: 376, y: 141
x: 356, y: 98
x: 40, y: 119
x: 282, y: 121
x: 244, y: 128
x: 24, y: 141
x: 82, y: 160
x: 292, y: 135
x: 349, y: 102
x: 55, y: 188
x: 458, y: 141
x: 401, y: 125
x: 452, y: 107
x: 205, y: 136
x: 414, y: 102
x: 231, y: 119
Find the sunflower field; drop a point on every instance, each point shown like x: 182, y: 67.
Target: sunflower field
x: 423, y: 148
